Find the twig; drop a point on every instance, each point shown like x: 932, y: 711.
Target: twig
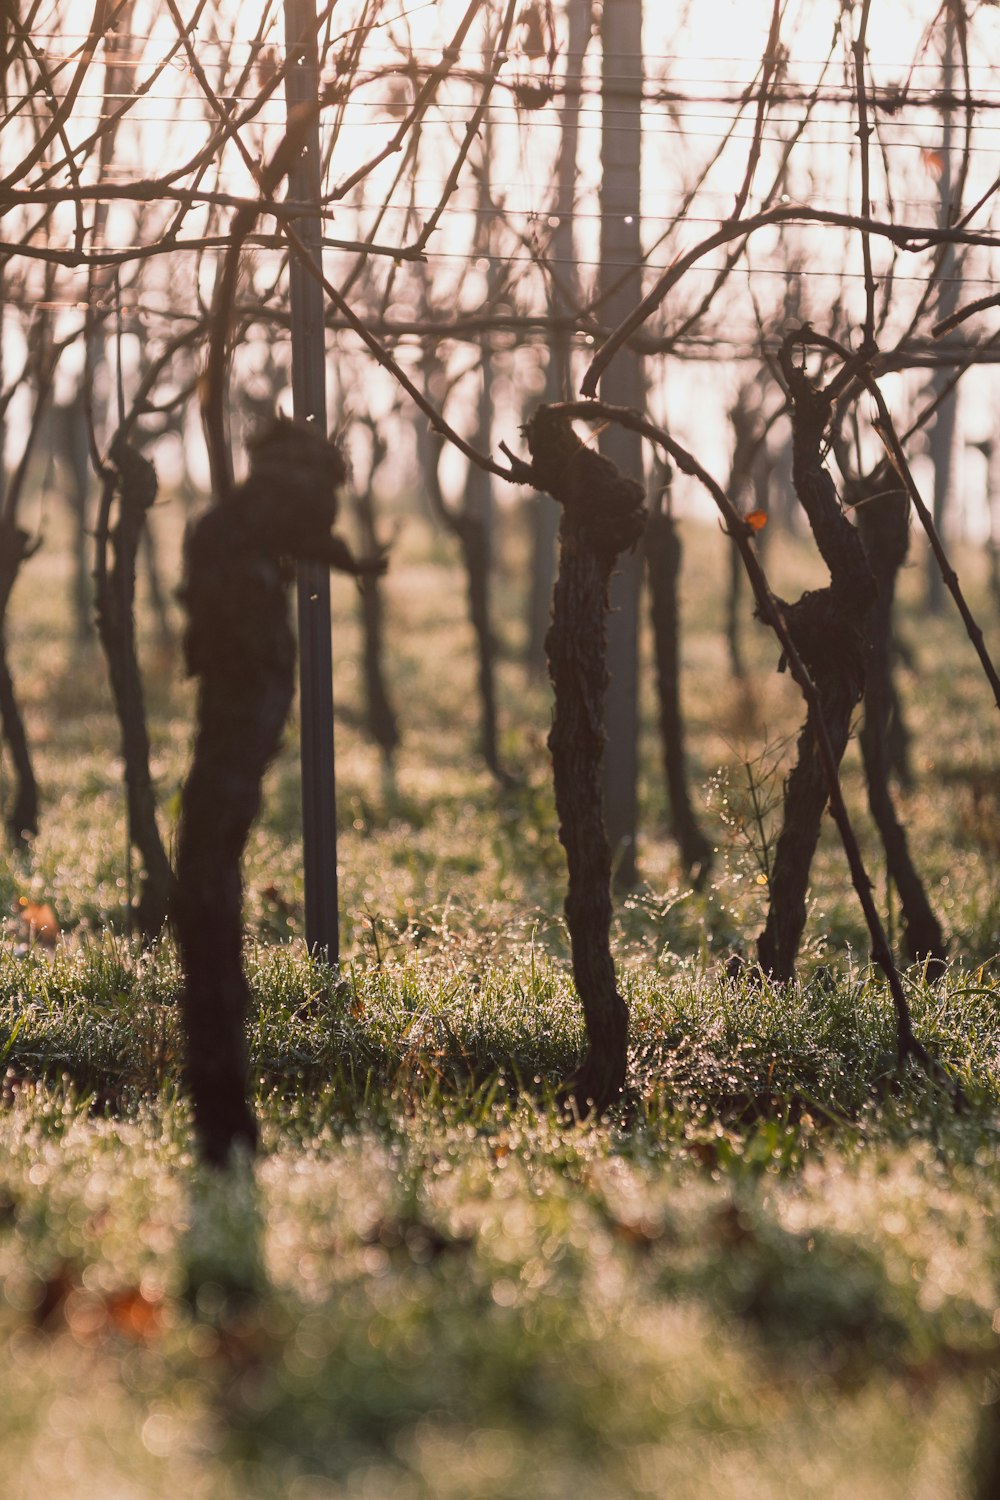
x: 981, y: 304
x: 906, y: 236
x: 864, y: 133
x: 300, y: 122
x: 472, y: 129
x: 887, y: 432
x: 769, y: 70
x: 449, y: 57
x: 98, y: 26
x: 518, y: 473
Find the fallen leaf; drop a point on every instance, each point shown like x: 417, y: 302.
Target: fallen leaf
x: 40, y: 921
x: 132, y: 1312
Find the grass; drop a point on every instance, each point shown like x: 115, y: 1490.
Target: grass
x: 455, y: 1294
x: 774, y: 1272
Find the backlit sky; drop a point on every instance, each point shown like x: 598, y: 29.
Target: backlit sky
x: 709, y: 49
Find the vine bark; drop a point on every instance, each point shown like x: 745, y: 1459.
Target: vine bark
x: 602, y: 516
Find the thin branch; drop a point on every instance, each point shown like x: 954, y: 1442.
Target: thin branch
x: 98, y: 27
x: 300, y: 121
x: 907, y: 236
x: 46, y: 369
x: 864, y: 134
x: 887, y: 432
x: 769, y: 71
x: 947, y: 386
x: 222, y: 114
x: 84, y: 147
x: 943, y: 266
x: 74, y: 258
x: 472, y: 129
x: 981, y: 304
x: 777, y: 180
x: 48, y: 85
x: 691, y: 193
x: 449, y: 57
x: 517, y: 473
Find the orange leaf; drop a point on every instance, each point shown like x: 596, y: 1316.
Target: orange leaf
x: 756, y: 519
x: 933, y: 163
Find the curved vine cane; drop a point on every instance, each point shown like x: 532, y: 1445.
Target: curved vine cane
x: 213, y: 383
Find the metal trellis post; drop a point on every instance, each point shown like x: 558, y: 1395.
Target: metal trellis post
x: 319, y: 813
x: 624, y: 384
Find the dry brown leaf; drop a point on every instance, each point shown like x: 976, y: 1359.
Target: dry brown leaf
x: 39, y: 920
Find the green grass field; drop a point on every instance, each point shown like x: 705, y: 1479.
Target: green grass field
x: 774, y: 1273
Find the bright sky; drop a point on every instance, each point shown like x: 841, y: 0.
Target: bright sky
x: 708, y: 48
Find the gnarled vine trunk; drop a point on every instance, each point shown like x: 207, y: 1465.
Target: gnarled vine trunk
x: 383, y: 722
x: 22, y: 813
x: 663, y: 566
x: 831, y: 642
x: 133, y: 478
x: 602, y: 516
x: 830, y: 629
x: 883, y: 521
x: 239, y: 645
x: 472, y: 532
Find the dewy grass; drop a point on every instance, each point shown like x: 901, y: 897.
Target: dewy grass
x: 772, y: 1272
x: 445, y: 1305
x: 104, y: 1014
